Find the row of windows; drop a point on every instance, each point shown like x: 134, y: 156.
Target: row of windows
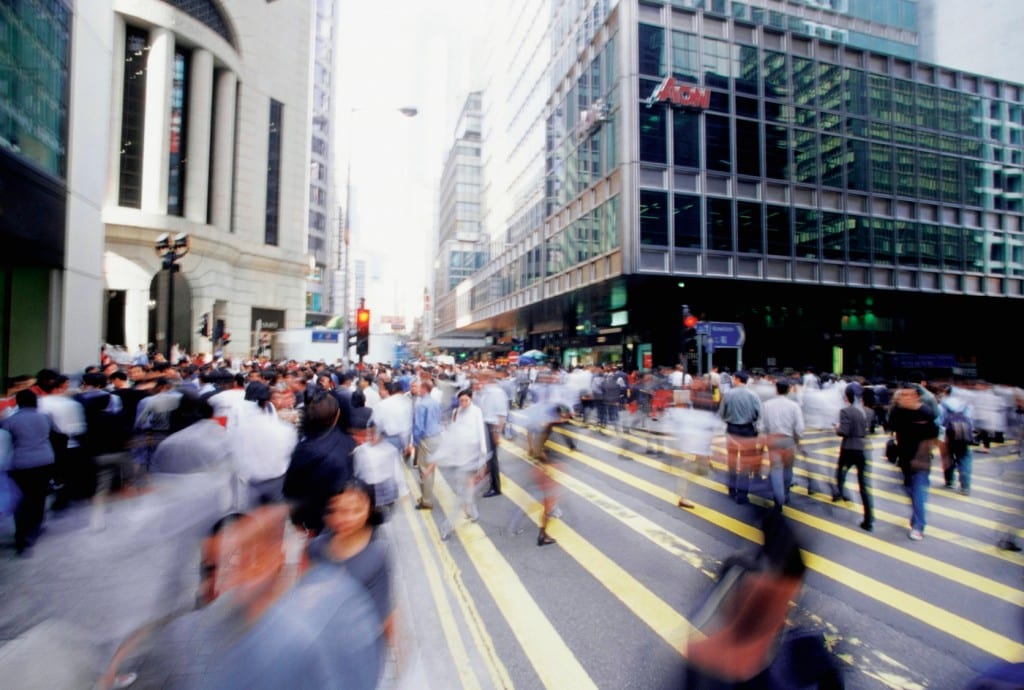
x: 589, y: 236
x: 34, y: 42
x: 748, y: 227
x: 748, y: 147
x: 582, y: 131
x: 809, y: 85
x: 897, y: 13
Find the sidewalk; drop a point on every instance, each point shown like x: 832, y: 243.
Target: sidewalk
x: 65, y: 609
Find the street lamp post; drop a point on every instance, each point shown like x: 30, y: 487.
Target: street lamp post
x: 344, y: 251
x: 170, y: 251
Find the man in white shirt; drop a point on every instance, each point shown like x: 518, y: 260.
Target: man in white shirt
x: 494, y: 404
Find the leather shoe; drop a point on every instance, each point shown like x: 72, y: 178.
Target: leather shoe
x: 867, y: 526
x: 492, y: 492
x: 683, y: 503
x: 420, y: 505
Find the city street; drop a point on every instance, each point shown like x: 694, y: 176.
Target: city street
x: 608, y: 605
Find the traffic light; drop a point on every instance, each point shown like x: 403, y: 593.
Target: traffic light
x: 689, y: 330
x: 204, y: 326
x: 362, y: 331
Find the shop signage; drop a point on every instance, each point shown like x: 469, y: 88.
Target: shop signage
x: 684, y: 95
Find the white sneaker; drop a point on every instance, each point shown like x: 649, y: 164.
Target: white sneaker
x: 916, y: 535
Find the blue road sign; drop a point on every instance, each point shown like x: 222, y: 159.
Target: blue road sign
x: 725, y: 333
x: 325, y: 336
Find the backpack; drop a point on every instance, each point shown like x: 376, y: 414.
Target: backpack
x: 959, y: 430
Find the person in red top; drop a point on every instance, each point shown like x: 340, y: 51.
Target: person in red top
x: 8, y: 405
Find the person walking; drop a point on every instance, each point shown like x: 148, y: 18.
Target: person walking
x: 958, y: 437
x: 494, y: 405
x: 740, y: 409
x: 782, y: 425
x: 542, y: 418
x: 31, y: 467
x: 916, y: 430
x: 854, y: 422
x: 426, y: 432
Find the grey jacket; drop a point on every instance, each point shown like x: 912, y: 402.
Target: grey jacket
x: 853, y: 427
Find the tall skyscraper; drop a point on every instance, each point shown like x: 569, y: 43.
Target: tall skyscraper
x: 790, y: 169
x: 324, y: 282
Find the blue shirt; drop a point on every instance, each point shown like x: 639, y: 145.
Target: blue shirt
x: 426, y: 418
x: 30, y: 438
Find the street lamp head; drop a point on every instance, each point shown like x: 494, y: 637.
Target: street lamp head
x: 181, y: 241
x: 163, y: 243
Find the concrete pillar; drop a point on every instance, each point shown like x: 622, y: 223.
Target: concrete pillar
x: 224, y: 150
x: 200, y: 112
x: 156, y: 143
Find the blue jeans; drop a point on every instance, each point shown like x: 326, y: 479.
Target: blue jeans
x: 917, y: 489
x: 781, y: 453
x: 962, y: 464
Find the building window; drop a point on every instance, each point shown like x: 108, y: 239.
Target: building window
x: 653, y: 143
x: 686, y: 139
x: 687, y: 223
x: 717, y: 146
x: 651, y: 46
x: 273, y: 172
x: 133, y: 117
x: 748, y: 227
x: 807, y: 234
x: 779, y: 239
x: 720, y: 225
x: 748, y: 148
x: 179, y: 134
x: 653, y: 218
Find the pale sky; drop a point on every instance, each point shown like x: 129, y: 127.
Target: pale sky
x: 392, y: 55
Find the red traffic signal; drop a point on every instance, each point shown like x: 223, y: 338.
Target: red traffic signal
x: 363, y: 323
x: 690, y: 321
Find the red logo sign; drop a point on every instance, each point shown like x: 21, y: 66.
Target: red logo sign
x: 685, y: 95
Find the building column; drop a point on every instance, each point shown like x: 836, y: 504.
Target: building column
x: 156, y: 142
x: 200, y: 111
x: 223, y: 172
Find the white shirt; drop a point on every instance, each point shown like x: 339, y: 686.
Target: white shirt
x: 393, y: 416
x: 261, y: 444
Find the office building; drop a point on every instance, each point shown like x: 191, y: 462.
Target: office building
x: 832, y: 195
x: 324, y: 242
x: 462, y: 245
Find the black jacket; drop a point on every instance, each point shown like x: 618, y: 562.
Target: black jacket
x: 320, y: 466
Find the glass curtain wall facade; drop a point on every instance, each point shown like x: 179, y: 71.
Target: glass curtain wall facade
x: 34, y: 84
x: 757, y: 161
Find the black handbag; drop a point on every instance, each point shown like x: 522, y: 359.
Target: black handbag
x: 892, y: 451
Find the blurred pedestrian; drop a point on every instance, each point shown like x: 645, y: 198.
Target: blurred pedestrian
x: 740, y: 409
x: 542, y: 418
x: 321, y: 461
x: 916, y: 429
x: 782, y: 424
x: 426, y: 433
x: 854, y: 421
x: 353, y: 542
x: 31, y: 467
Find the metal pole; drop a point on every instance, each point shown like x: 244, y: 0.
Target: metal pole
x: 343, y: 245
x: 169, y: 344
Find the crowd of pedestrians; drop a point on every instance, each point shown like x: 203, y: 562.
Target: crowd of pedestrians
x: 315, y: 455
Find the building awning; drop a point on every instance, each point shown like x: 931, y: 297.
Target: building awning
x: 451, y: 343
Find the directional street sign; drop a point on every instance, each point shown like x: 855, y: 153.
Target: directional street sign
x: 722, y: 333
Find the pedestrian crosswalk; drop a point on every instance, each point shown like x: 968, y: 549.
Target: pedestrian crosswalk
x: 628, y: 557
